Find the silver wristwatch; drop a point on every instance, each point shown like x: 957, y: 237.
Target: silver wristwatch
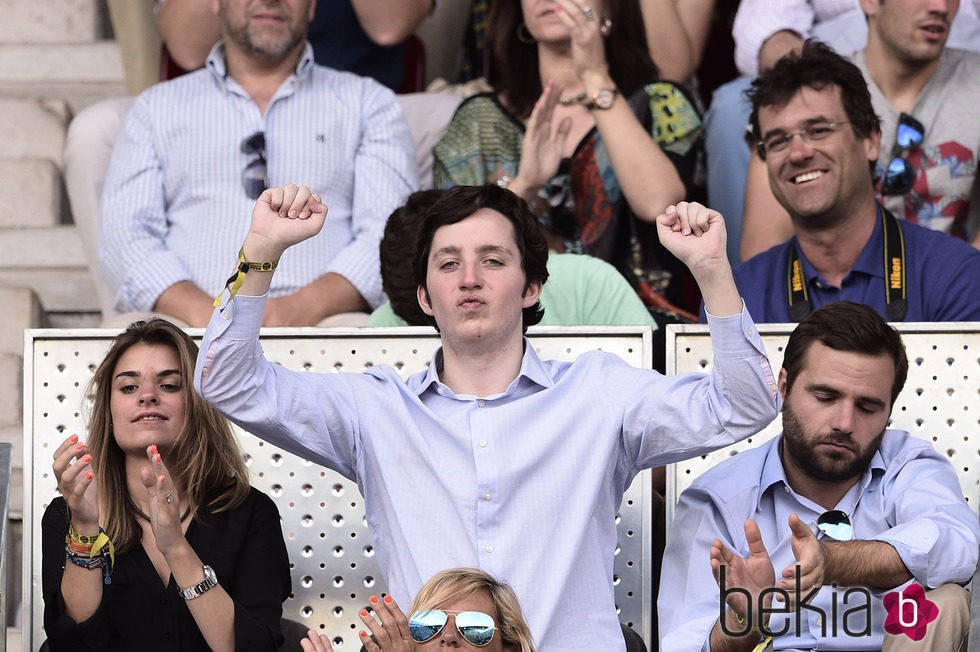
x: 603, y: 99
x: 209, y: 582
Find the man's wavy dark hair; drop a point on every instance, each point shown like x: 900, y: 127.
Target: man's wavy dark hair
x: 461, y: 202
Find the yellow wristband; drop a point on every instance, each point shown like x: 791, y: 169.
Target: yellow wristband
x: 235, y: 281
x: 258, y: 267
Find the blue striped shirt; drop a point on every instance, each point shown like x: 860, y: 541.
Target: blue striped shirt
x: 174, y: 208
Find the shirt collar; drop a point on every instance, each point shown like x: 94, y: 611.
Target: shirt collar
x: 868, y: 263
x: 218, y: 67
x: 532, y: 369
x: 774, y: 475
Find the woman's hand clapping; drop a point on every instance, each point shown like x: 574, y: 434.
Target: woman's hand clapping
x: 77, y: 483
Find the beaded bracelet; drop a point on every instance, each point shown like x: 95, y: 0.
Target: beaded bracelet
x: 88, y: 563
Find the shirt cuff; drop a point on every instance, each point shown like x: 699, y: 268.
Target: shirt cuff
x: 735, y: 335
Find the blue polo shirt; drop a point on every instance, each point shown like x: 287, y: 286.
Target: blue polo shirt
x: 942, y: 278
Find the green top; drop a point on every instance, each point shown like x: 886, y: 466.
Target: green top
x: 580, y: 291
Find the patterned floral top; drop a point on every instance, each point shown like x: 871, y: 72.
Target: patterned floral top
x: 586, y: 206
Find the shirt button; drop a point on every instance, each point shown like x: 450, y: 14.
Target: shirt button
x: 481, y: 402
x: 487, y: 496
x: 483, y: 443
x: 489, y: 548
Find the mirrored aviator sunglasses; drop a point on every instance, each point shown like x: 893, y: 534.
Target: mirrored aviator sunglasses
x: 475, y: 626
x: 836, y: 525
x: 899, y: 176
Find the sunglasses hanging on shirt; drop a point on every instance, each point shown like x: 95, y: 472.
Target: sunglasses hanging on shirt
x: 898, y: 177
x: 255, y: 176
x: 836, y: 525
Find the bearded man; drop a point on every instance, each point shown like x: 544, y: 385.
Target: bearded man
x: 853, y: 528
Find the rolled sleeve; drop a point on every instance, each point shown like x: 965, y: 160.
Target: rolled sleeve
x: 937, y: 535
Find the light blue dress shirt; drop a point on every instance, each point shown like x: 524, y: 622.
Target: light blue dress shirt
x: 909, y: 497
x: 524, y: 484
x: 174, y: 208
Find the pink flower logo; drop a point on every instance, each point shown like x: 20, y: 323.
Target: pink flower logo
x: 909, y: 612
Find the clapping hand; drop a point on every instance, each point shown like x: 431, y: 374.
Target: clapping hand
x: 388, y: 630
x: 77, y: 483
x: 753, y: 573
x: 163, y: 504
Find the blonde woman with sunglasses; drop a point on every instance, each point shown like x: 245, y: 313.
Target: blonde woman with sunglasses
x: 463, y: 608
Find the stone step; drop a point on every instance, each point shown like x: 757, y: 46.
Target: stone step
x: 51, y: 262
x: 67, y: 21
x: 31, y: 128
x: 42, y: 198
x: 94, y: 62
x: 75, y: 74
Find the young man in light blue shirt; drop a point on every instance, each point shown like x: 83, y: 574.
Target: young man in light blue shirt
x: 491, y: 457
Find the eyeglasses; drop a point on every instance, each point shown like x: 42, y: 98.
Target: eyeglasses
x: 254, y: 176
x: 475, y: 626
x: 779, y: 141
x: 898, y: 177
x: 836, y: 525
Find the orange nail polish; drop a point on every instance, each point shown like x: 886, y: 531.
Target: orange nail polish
x: 374, y: 599
x: 73, y: 438
x: 88, y: 476
x: 388, y: 599
x: 364, y: 612
x: 86, y: 457
x: 79, y: 447
x: 363, y: 634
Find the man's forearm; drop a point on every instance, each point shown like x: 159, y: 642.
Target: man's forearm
x: 186, y: 302
x: 872, y: 564
x: 718, y: 289
x: 777, y: 46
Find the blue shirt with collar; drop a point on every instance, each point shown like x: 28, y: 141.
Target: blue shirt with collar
x: 909, y: 497
x: 524, y: 484
x: 174, y: 208
x: 942, y: 277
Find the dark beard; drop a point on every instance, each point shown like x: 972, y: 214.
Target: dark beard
x: 823, y: 468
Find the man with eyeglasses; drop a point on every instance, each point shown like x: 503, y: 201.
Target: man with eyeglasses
x: 828, y: 518
x: 816, y: 129
x: 195, y: 152
x: 925, y: 92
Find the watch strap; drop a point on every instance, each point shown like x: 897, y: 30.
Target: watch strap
x: 209, y: 582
